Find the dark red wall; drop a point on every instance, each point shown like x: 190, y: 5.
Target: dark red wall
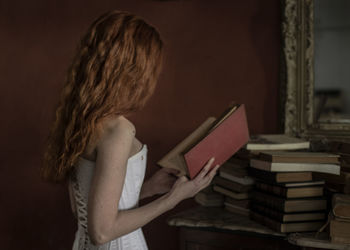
x: 216, y: 51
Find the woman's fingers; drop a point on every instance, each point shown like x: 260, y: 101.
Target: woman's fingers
x: 212, y: 173
x: 210, y: 161
x: 209, y: 177
x: 185, y: 188
x: 183, y: 179
x: 208, y: 166
x: 203, y: 173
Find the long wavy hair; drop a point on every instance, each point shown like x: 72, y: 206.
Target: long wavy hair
x: 114, y: 72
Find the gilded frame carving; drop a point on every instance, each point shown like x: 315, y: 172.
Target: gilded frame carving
x: 297, y: 75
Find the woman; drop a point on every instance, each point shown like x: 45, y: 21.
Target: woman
x: 93, y: 146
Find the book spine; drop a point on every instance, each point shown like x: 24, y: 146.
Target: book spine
x: 236, y: 209
x: 233, y: 186
x: 277, y: 190
x: 295, y: 167
x: 269, y: 201
x: 234, y: 195
x: 265, y: 221
x: 267, y: 211
x: 240, y: 203
x: 263, y: 175
x: 294, y: 177
x: 246, y: 180
x: 239, y: 162
x: 306, y: 158
x: 340, y: 179
x: 238, y: 172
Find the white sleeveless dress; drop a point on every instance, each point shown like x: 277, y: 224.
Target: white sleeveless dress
x: 81, y: 181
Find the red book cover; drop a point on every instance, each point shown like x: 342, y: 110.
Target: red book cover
x: 221, y: 143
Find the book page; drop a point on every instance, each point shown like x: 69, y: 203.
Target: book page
x: 222, y: 118
x: 177, y: 162
x: 174, y: 159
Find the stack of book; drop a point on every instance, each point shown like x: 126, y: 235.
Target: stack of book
x: 286, y: 198
x: 209, y: 198
x: 340, y: 222
x: 338, y: 183
x: 234, y: 183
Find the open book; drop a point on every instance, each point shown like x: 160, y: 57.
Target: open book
x: 219, y: 138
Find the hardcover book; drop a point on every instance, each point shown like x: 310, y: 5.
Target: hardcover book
x: 341, y: 206
x: 290, y: 192
x: 219, y: 138
x: 299, y: 184
x: 245, y: 180
x: 342, y: 178
x: 208, y: 198
x: 287, y: 227
x: 236, y: 209
x: 288, y: 217
x: 276, y: 142
x: 299, y: 157
x: 238, y: 162
x: 335, y: 183
x: 280, y: 177
x: 295, y: 167
x: 240, y: 203
x: 340, y: 231
x: 245, y: 154
x: 231, y: 194
x: 231, y: 185
x: 290, y: 205
x: 234, y: 170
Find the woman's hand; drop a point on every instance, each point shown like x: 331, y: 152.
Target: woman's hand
x: 185, y: 188
x: 161, y: 182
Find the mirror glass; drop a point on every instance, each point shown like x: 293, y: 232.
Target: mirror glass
x: 332, y: 61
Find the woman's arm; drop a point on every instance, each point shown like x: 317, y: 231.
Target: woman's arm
x: 105, y: 222
x: 159, y: 183
x: 146, y: 190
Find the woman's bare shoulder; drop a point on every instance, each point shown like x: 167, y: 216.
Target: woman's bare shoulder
x: 111, y: 131
x: 117, y: 128
x: 118, y: 124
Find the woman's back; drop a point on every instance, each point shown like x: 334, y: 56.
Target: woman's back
x: 81, y: 183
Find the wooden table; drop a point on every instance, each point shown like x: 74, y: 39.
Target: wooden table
x: 314, y: 240
x: 204, y: 228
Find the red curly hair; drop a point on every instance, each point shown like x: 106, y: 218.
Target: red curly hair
x: 114, y: 72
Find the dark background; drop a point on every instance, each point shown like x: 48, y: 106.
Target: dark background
x: 216, y: 51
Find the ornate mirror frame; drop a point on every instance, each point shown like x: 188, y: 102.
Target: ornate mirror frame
x: 297, y: 75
